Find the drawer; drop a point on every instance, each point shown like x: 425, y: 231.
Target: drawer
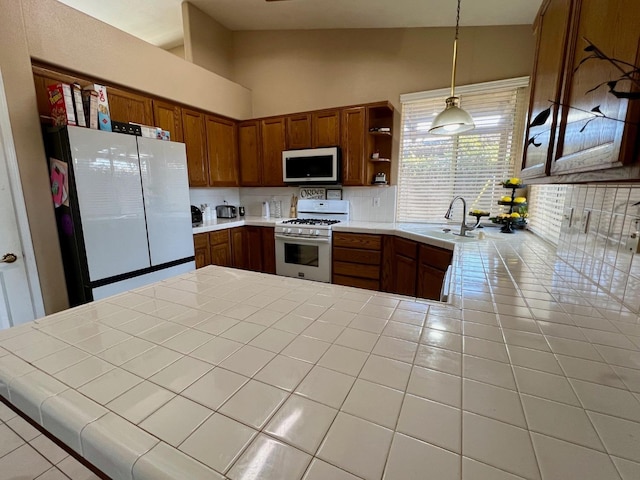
x: 201, y: 240
x: 219, y: 237
x: 356, y: 282
x: 357, y: 240
x: 354, y: 255
x: 406, y: 248
x: 435, y: 257
x: 356, y: 270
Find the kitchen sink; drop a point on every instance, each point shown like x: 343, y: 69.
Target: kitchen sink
x: 447, y: 231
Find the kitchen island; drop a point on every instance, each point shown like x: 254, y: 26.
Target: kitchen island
x: 528, y: 372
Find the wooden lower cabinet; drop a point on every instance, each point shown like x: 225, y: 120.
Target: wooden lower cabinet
x: 220, y: 242
x: 249, y: 248
x: 237, y: 237
x: 432, y: 268
x: 260, y: 250
x: 399, y: 266
x: 268, y: 250
x: 202, y: 249
x: 356, y: 260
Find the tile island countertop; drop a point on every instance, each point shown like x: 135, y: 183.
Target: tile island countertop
x: 530, y: 372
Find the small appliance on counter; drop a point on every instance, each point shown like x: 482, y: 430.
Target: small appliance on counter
x: 226, y: 211
x: 380, y: 179
x: 196, y: 216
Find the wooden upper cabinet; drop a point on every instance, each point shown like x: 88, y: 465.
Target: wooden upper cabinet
x: 168, y: 116
x: 299, y: 131
x: 584, y: 144
x: 273, y: 138
x: 353, y: 121
x: 222, y: 152
x: 250, y: 153
x: 325, y: 131
x: 194, y: 139
x: 551, y: 30
x: 129, y: 107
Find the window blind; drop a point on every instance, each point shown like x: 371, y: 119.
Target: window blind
x: 546, y: 207
x: 434, y: 169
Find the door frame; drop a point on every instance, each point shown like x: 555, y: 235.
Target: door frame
x: 28, y: 253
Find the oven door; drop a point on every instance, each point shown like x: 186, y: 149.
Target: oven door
x: 308, y: 258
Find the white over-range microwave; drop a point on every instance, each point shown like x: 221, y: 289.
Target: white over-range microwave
x: 319, y: 166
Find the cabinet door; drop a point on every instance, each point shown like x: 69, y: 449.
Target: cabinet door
x: 194, y: 139
x: 238, y: 247
x: 221, y: 255
x: 222, y: 152
x: 299, y: 131
x: 325, y: 128
x: 551, y: 30
x: 250, y: 153
x: 353, y: 146
x: 253, y: 258
x: 168, y: 116
x: 273, y: 144
x: 202, y: 251
x: 585, y: 143
x: 268, y: 250
x: 129, y: 107
x: 429, y: 282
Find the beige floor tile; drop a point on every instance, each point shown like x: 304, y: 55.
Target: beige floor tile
x: 410, y: 459
x: 473, y: 470
x: 278, y: 461
x: 620, y: 437
x: 176, y: 420
x: 326, y: 386
x: 218, y: 442
x: 431, y: 422
x: 386, y: 371
x: 23, y: 462
x: 373, y: 402
x: 488, y: 371
x: 545, y: 385
x: 499, y: 444
x: 494, y: 402
x: 344, y: 447
x: 559, y: 459
x: 560, y: 421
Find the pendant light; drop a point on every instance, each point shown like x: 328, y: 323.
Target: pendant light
x: 453, y: 119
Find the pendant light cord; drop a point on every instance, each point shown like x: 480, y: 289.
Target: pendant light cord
x: 455, y: 51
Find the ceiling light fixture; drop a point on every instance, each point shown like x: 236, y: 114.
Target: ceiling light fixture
x: 453, y: 119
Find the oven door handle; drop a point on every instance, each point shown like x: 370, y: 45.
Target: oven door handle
x: 308, y: 240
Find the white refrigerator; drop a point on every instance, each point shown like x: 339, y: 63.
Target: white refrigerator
x: 127, y: 219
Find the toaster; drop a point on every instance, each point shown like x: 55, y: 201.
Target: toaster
x: 196, y: 216
x: 226, y: 211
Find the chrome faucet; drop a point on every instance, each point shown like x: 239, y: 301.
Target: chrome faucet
x: 464, y: 228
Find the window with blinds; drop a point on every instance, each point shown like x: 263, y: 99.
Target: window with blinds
x: 546, y: 207
x: 434, y: 169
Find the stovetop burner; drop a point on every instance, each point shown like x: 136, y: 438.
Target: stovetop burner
x: 311, y: 221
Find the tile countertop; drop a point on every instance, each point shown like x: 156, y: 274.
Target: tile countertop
x: 530, y: 372
x: 431, y: 233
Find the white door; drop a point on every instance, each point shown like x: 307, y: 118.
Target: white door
x: 20, y: 298
x: 166, y: 199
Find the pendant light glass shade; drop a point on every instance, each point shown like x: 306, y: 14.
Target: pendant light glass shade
x: 453, y: 119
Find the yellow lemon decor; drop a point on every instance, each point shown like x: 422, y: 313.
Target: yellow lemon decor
x: 505, y: 199
x: 515, y: 215
x: 520, y: 199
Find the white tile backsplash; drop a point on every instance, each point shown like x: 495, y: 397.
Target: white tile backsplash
x: 214, y: 196
x: 594, y: 239
x: 363, y: 204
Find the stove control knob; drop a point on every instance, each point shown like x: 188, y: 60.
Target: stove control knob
x: 316, y: 233
x: 299, y: 231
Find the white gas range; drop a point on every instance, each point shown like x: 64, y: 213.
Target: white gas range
x: 303, y: 244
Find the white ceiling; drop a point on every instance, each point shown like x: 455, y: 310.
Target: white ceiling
x: 160, y: 21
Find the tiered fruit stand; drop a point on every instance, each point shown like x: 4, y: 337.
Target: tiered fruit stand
x: 515, y: 217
